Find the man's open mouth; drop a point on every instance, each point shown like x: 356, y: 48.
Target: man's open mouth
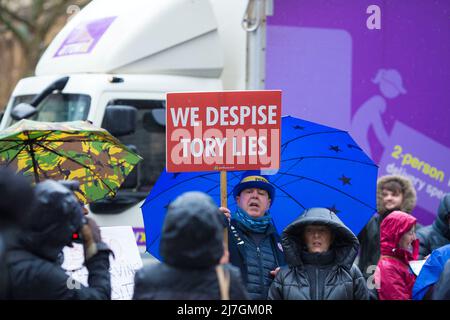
x: 254, y: 205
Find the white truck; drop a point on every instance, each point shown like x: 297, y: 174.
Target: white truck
x: 114, y: 62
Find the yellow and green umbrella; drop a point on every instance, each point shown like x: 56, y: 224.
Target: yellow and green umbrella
x: 74, y: 150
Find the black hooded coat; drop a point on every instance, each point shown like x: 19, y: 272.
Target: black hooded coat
x: 191, y: 247
x: 34, y: 260
x: 319, y: 276
x: 438, y: 234
x: 16, y: 198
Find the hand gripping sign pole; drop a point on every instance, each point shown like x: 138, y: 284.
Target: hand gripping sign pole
x: 223, y: 203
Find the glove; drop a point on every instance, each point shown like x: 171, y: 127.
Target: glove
x: 91, y: 236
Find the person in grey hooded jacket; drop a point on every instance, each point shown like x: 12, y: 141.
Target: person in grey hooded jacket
x: 320, y: 251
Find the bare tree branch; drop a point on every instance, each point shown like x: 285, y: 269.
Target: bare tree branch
x: 56, y: 11
x: 33, y: 23
x: 49, y: 19
x: 36, y: 9
x: 17, y: 33
x: 15, y: 16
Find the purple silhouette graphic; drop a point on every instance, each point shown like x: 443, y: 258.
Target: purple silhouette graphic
x: 370, y: 113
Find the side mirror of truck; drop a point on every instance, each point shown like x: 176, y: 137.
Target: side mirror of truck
x: 27, y: 110
x: 23, y: 111
x: 120, y: 120
x: 154, y: 120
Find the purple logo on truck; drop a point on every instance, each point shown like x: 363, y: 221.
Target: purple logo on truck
x: 140, y: 236
x: 84, y: 37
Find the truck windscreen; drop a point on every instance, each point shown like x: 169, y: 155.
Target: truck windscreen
x: 59, y: 107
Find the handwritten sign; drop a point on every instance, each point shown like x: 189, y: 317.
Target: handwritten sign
x: 122, y: 241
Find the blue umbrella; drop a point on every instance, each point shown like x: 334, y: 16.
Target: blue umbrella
x: 320, y: 167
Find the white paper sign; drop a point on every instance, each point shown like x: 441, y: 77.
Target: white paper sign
x: 416, y: 266
x: 122, y: 242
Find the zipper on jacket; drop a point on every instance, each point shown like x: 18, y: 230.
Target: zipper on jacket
x: 317, y: 283
x: 261, y: 267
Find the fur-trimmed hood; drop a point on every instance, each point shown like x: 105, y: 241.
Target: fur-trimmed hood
x: 409, y: 193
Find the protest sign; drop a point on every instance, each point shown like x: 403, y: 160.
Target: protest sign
x: 123, y: 266
x: 232, y: 130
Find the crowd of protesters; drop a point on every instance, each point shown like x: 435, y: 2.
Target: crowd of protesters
x: 316, y: 257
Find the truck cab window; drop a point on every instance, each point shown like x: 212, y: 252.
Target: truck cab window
x: 148, y: 140
x: 59, y: 107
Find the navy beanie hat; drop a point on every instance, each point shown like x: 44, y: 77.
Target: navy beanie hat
x: 254, y: 179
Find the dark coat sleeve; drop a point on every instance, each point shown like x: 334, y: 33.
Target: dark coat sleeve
x: 3, y: 269
x: 360, y: 291
x: 276, y: 288
x: 142, y: 288
x: 237, y: 289
x: 369, y: 245
x: 441, y: 289
x: 51, y: 282
x: 99, y: 279
x: 425, y: 248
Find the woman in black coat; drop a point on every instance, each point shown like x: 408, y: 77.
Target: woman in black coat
x: 320, y: 251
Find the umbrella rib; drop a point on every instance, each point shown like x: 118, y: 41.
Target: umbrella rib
x: 196, y: 177
x: 284, y: 146
x: 44, y: 135
x: 213, y: 180
x: 15, y: 156
x: 294, y: 164
x: 200, y: 176
x: 73, y: 140
x: 312, y: 134
x: 27, y: 133
x: 84, y: 166
x: 33, y: 159
x: 328, y: 186
x: 330, y: 157
x: 289, y: 195
x: 1, y: 151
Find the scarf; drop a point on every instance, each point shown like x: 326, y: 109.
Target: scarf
x: 257, y: 225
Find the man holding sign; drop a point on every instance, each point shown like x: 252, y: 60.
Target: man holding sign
x: 228, y: 131
x: 253, y: 242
